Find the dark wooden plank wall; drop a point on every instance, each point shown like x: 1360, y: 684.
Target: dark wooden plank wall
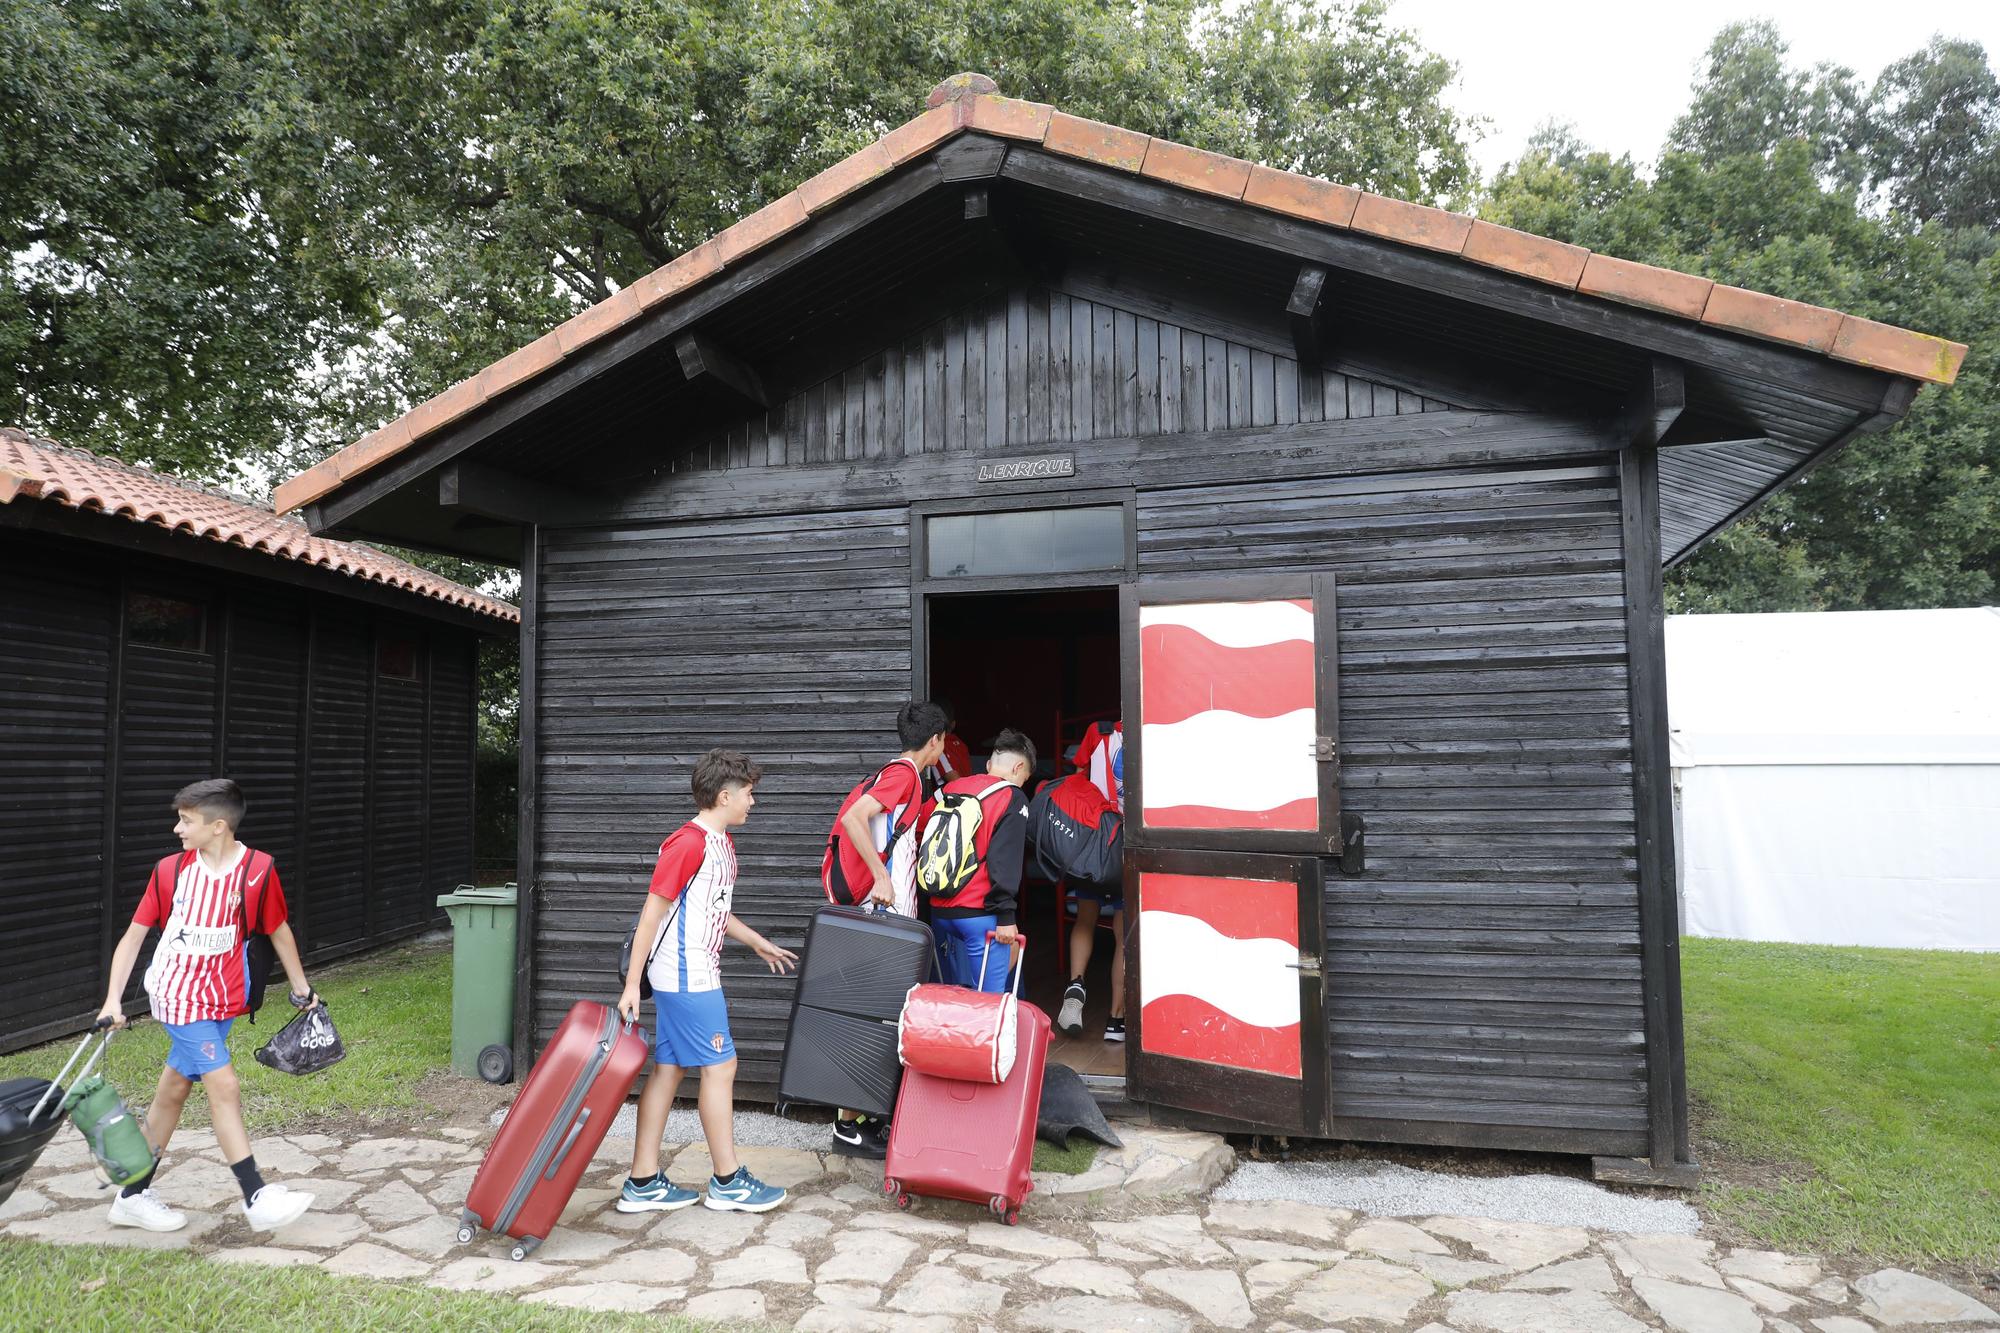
x: 1033, y: 367
x: 56, y: 635
x: 787, y: 639
x: 1485, y: 970
x: 1701, y: 485
x: 60, y: 694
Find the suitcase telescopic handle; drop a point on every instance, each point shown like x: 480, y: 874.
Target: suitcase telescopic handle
x: 1020, y: 941
x: 102, y: 1027
x: 569, y: 1141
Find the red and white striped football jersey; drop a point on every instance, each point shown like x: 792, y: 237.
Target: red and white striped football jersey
x: 197, y: 972
x: 696, y: 872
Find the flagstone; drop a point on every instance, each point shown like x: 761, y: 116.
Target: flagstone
x: 194, y: 1182
x: 1698, y: 1309
x: 790, y: 1228
x: 380, y: 1154
x: 267, y: 1256
x: 1590, y: 1273
x: 394, y: 1203
x: 1176, y: 1236
x: 854, y: 1319
x: 905, y: 1224
x: 365, y: 1260
x: 87, y: 1185
x: 1829, y: 1291
x: 1095, y: 1314
x: 1528, y: 1312
x: 818, y: 1203
x: 1386, y: 1236
x: 723, y: 1306
x: 1895, y: 1296
x: 619, y: 1297
x: 758, y: 1265
x: 874, y: 1260
x: 1214, y: 1294
x: 328, y: 1193
x: 1667, y: 1258
x: 313, y: 1143
x: 87, y: 1226
x: 482, y: 1274
x: 1023, y: 1240
x: 326, y: 1230
x: 570, y: 1245
x: 1517, y: 1245
x: 1768, y: 1298
x: 25, y: 1202
x: 936, y: 1289
x: 434, y: 1237
x: 1361, y: 1289
x: 852, y: 1294
x: 1268, y: 1251
x: 1771, y: 1268
x: 653, y: 1266
x: 1274, y: 1277
x: 1088, y: 1276
x: 704, y: 1229
x: 283, y: 1156
x: 1280, y: 1218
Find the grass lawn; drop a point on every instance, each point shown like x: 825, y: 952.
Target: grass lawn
x: 1849, y: 1099
x: 393, y: 1010
x: 83, y: 1287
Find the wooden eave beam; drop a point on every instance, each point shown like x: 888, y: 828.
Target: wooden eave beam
x: 475, y: 489
x: 1655, y: 403
x: 705, y: 360
x: 1303, y: 310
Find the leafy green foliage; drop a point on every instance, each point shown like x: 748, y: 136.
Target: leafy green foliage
x: 1763, y: 185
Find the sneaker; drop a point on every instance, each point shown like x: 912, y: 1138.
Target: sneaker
x: 145, y: 1209
x: 860, y: 1138
x: 1070, y: 1017
x: 658, y: 1195
x: 743, y: 1193
x: 1114, y: 1029
x: 275, y: 1206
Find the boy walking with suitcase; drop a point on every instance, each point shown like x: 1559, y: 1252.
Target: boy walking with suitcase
x: 969, y: 858
x: 207, y: 901
x: 686, y: 918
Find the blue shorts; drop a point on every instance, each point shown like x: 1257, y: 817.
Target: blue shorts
x: 691, y: 1028
x: 1113, y: 900
x: 198, y: 1047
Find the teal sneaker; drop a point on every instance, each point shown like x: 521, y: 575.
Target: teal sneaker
x: 742, y: 1193
x: 658, y: 1195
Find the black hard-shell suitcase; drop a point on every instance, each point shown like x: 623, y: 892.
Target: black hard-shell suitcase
x: 840, y: 1049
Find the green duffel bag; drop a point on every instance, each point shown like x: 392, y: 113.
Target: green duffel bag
x: 116, y: 1138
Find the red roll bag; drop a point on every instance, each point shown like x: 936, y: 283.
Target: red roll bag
x: 957, y: 1033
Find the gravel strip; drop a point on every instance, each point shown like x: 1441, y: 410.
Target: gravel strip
x: 754, y: 1129
x: 1386, y: 1189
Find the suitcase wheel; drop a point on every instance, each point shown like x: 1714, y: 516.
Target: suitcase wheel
x: 526, y: 1247
x: 1013, y: 1217
x: 997, y: 1206
x: 466, y: 1232
x: 891, y: 1185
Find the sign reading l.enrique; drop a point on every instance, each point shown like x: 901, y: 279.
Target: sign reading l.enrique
x: 1028, y: 469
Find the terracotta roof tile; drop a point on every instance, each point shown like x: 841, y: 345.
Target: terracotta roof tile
x: 1886, y: 347
x: 1094, y: 141
x: 1301, y: 196
x: 970, y: 102
x: 1196, y: 169
x: 845, y: 177
x: 42, y: 470
x: 767, y: 224
x: 1531, y: 256
x: 1742, y: 311
x: 1412, y: 224
x: 1659, y: 289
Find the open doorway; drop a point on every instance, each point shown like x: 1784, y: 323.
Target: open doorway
x: 1047, y: 663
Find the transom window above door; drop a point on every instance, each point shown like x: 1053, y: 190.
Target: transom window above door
x: 1025, y: 541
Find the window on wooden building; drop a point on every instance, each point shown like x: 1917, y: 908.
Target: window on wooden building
x: 396, y: 659
x: 1025, y: 541
x: 154, y: 620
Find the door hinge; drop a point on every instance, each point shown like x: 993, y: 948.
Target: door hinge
x: 1309, y: 966
x: 1325, y: 749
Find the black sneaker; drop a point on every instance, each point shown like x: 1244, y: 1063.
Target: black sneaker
x: 854, y: 1138
x: 1070, y: 1017
x: 1114, y: 1029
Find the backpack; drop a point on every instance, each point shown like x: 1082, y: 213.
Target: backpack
x: 948, y: 849
x: 832, y: 854
x: 260, y: 955
x: 1077, y: 834
x: 116, y: 1139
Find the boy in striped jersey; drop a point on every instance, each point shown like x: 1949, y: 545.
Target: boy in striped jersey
x: 686, y: 918
x: 204, y: 901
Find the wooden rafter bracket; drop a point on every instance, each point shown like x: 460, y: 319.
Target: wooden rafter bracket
x: 702, y: 358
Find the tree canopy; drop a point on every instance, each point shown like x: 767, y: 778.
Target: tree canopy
x: 1877, y: 201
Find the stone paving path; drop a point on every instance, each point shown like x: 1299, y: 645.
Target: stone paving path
x: 1099, y: 1257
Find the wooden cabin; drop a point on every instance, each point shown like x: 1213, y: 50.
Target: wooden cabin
x: 153, y: 634
x: 1355, y: 512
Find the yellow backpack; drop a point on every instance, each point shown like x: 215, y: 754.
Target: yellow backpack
x: 947, y: 852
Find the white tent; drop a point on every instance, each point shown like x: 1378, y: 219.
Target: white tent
x: 1837, y: 776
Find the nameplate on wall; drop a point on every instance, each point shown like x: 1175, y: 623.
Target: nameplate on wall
x: 1029, y: 469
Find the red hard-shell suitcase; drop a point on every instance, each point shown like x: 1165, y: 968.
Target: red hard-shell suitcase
x: 971, y: 1141
x: 575, y: 1089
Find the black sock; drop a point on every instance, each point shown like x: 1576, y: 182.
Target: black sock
x: 141, y: 1183
x: 247, y: 1177
x: 640, y: 1182
x: 723, y: 1180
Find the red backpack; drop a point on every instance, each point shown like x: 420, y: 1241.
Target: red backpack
x: 833, y: 838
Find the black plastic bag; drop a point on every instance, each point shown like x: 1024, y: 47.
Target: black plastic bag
x: 306, y: 1045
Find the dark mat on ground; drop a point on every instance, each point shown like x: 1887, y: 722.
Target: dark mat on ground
x: 1068, y: 1108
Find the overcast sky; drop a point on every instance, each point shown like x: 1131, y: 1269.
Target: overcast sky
x: 1621, y: 72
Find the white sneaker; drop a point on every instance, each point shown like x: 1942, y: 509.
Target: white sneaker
x: 1069, y: 1019
x: 275, y: 1206
x: 144, y: 1209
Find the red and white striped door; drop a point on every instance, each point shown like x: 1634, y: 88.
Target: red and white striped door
x: 1230, y: 798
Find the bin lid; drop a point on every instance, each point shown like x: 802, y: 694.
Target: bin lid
x: 465, y: 895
